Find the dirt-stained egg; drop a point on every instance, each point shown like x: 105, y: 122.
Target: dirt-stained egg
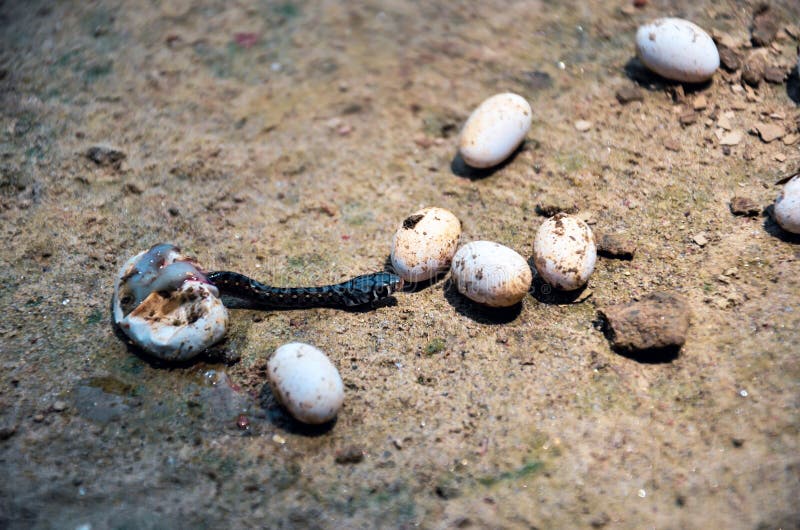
x: 164, y: 303
x: 787, y: 206
x: 491, y: 274
x: 494, y: 130
x: 677, y: 49
x: 305, y: 382
x: 424, y: 245
x: 564, y: 252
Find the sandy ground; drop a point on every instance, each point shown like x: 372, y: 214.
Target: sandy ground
x: 288, y: 141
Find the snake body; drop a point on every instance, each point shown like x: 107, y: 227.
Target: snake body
x: 361, y: 290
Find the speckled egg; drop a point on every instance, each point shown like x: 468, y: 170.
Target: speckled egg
x: 491, y: 274
x: 424, y: 245
x: 677, y: 49
x: 306, y: 382
x: 564, y: 252
x: 494, y: 130
x: 787, y: 206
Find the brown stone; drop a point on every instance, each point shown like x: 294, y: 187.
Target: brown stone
x: 105, y: 156
x: 688, y: 118
x: 352, y: 454
x: 629, y: 93
x: 753, y: 70
x: 615, y: 246
x: 775, y: 74
x: 730, y: 60
x: 654, y: 326
x: 770, y: 131
x: 765, y: 26
x: 744, y: 206
x: 549, y: 210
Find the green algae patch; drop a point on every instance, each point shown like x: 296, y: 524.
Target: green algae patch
x: 526, y: 470
x: 434, y: 346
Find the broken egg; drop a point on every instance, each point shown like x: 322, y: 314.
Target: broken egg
x: 787, y: 206
x: 491, y: 274
x: 564, y: 252
x: 494, y: 130
x: 305, y: 382
x: 424, y: 245
x: 166, y: 306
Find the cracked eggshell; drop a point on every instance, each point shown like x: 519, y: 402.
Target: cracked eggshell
x: 677, y: 49
x: 424, y: 245
x: 787, y: 206
x: 564, y: 252
x: 494, y: 130
x: 171, y: 317
x: 306, y: 382
x: 491, y: 274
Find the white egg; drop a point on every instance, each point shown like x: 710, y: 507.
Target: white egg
x: 166, y: 306
x: 425, y: 243
x: 491, y: 274
x: 494, y: 130
x: 306, y: 382
x: 564, y: 252
x: 677, y: 49
x: 787, y: 206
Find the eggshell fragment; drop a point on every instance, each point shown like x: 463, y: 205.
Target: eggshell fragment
x: 787, y: 206
x: 677, y: 49
x: 165, y: 305
x: 494, y: 130
x: 306, y: 382
x: 564, y: 252
x: 425, y: 243
x: 491, y: 274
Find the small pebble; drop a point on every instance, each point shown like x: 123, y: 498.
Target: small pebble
x: 583, y: 125
x: 615, y: 246
x: 744, y: 206
x: 629, y: 93
x: 765, y: 25
x: 700, y: 239
x: 754, y: 68
x: 105, y: 156
x: 769, y: 131
x: 59, y: 406
x: 730, y: 59
x: 677, y: 49
x: 494, y: 130
x: 787, y: 206
x: 564, y: 252
x: 731, y: 138
x: 774, y: 74
x: 352, y: 454
x: 424, y: 245
x: 491, y: 274
x: 306, y: 382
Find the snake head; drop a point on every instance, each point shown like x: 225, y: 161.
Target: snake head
x: 370, y: 288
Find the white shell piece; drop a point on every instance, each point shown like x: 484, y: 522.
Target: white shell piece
x: 180, y: 319
x: 306, y: 382
x: 564, y: 252
x: 494, y: 130
x: 425, y: 243
x: 787, y: 206
x: 491, y: 274
x: 677, y: 49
